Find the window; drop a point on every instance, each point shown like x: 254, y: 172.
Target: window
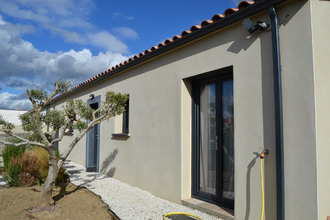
x: 122, y: 124
x: 213, y: 138
x: 126, y: 118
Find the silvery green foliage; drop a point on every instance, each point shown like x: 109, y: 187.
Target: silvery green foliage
x: 63, y: 85
x: 75, y: 113
x: 81, y: 113
x: 6, y: 126
x: 36, y: 96
x: 55, y: 119
x: 28, y: 121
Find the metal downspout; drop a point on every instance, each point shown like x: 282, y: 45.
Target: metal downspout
x: 278, y: 115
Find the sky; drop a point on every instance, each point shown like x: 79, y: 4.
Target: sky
x: 44, y: 40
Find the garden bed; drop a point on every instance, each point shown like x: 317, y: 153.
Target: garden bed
x: 71, y: 202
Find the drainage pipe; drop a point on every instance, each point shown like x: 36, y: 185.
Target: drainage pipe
x: 278, y: 114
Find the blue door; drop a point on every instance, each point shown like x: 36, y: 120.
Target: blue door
x: 93, y: 140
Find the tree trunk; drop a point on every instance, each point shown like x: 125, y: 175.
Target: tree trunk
x: 47, y: 189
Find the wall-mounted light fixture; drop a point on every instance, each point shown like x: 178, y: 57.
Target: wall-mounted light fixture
x: 251, y: 27
x: 92, y: 96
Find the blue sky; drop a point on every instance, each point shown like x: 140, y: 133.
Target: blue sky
x: 43, y: 40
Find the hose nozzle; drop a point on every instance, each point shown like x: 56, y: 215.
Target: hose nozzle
x: 263, y: 153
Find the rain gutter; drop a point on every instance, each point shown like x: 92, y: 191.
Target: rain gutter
x: 278, y: 114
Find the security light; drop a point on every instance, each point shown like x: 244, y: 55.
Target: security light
x: 251, y: 27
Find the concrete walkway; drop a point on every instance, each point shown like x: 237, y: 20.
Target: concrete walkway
x: 125, y: 201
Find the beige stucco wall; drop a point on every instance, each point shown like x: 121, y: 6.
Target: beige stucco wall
x: 157, y: 155
x: 321, y: 51
x: 299, y: 113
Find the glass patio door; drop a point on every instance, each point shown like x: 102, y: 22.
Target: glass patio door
x: 213, y: 151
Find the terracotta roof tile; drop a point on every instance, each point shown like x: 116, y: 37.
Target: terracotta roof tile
x: 215, y: 18
x: 147, y: 51
x: 230, y: 11
x: 167, y: 41
x: 176, y: 37
x: 161, y: 44
x: 184, y: 33
x: 206, y: 22
x: 195, y: 28
x: 154, y: 48
x: 244, y: 4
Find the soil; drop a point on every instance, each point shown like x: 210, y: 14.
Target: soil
x: 71, y: 202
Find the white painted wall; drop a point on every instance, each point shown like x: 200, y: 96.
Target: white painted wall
x: 321, y: 52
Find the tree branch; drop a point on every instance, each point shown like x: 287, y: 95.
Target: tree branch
x: 61, y: 134
x: 25, y: 141
x: 72, y: 145
x: 39, y: 130
x: 77, y: 139
x: 96, y: 111
x: 51, y: 95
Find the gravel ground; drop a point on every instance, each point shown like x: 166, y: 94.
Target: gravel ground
x: 2, y: 181
x: 125, y: 201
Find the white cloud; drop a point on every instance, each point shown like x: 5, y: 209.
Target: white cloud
x: 2, y: 22
x: 68, y: 36
x: 120, y: 15
x: 107, y: 41
x: 117, y: 15
x: 12, y: 101
x: 129, y: 18
x: 23, y: 66
x: 126, y: 32
x: 67, y: 19
x: 47, y: 11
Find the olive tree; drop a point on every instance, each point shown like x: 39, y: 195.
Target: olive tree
x: 75, y: 113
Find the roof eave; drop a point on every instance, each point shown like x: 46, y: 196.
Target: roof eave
x: 215, y: 26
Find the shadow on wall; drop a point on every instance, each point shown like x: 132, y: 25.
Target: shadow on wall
x: 107, y: 163
x: 244, y: 40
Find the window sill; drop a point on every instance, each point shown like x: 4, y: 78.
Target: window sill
x: 68, y: 133
x: 209, y: 208
x: 121, y: 135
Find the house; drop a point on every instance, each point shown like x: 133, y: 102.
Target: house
x: 12, y: 116
x: 204, y: 105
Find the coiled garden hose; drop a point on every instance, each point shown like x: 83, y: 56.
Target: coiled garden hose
x: 181, y: 213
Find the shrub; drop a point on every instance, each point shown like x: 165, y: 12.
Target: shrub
x: 30, y: 167
x: 11, y: 151
x: 43, y: 165
x: 14, y: 168
x: 43, y: 158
